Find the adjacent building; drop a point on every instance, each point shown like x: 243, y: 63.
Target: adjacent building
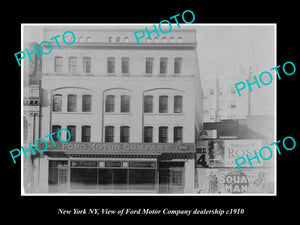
x: 133, y: 111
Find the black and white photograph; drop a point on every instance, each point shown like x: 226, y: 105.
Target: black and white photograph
x: 166, y: 113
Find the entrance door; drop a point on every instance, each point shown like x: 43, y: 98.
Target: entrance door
x: 171, y: 177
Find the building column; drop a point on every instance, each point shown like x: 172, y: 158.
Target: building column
x: 189, y: 176
x: 43, y: 174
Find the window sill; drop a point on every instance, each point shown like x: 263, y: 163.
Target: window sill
x: 72, y: 112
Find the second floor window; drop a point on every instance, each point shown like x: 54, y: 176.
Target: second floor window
x: 73, y: 65
x: 109, y: 134
x: 163, y: 65
x: 125, y: 64
x: 72, y: 103
x: 58, y: 67
x: 124, y: 134
x: 163, y: 104
x: 72, y: 130
x: 125, y: 103
x: 86, y: 64
x: 86, y: 133
x: 148, y: 134
x: 57, y: 103
x: 111, y: 65
x: 110, y: 103
x: 55, y: 128
x: 86, y: 103
x: 148, y: 104
x: 149, y: 65
x: 177, y: 104
x: 163, y: 135
x: 177, y: 134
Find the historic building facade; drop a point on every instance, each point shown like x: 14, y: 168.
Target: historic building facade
x: 133, y: 111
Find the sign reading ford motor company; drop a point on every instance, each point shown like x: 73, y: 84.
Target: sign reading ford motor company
x: 122, y: 147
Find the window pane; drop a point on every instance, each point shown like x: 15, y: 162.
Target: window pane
x: 110, y: 65
x: 148, y: 104
x: 177, y: 104
x: 86, y: 64
x: 163, y: 65
x: 124, y: 135
x: 177, y: 65
x: 73, y: 65
x: 163, y: 104
x: 86, y: 103
x: 109, y: 134
x: 55, y: 128
x: 148, y: 134
x: 125, y: 65
x: 57, y: 102
x: 58, y: 64
x: 25, y: 129
x: 125, y: 103
x: 72, y: 130
x: 163, y: 135
x: 110, y: 103
x: 86, y: 134
x: 149, y: 65
x: 72, y: 103
x: 177, y: 134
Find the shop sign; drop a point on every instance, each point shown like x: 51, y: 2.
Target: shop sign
x: 142, y: 164
x: 156, y: 148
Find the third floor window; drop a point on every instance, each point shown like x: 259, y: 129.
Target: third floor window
x: 110, y: 103
x: 149, y: 65
x: 163, y: 104
x: 163, y: 65
x: 177, y: 65
x: 148, y: 104
x: 72, y: 103
x: 86, y: 103
x: 125, y: 103
x: 73, y: 65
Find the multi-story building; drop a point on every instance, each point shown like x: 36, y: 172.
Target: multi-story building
x: 31, y: 114
x: 221, y: 100
x: 133, y: 111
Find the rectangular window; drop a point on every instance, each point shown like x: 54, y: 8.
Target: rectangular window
x: 73, y: 65
x: 72, y: 130
x: 163, y: 65
x: 109, y: 134
x: 58, y: 60
x: 124, y: 134
x: 57, y: 103
x: 72, y: 103
x: 55, y: 128
x: 177, y: 134
x: 177, y: 65
x: 149, y: 65
x: 163, y: 104
x: 86, y: 133
x: 148, y: 134
x: 148, y: 104
x: 86, y: 103
x: 110, y: 103
x: 125, y: 64
x: 177, y: 104
x: 163, y: 135
x: 86, y: 64
x: 111, y: 65
x: 125, y: 103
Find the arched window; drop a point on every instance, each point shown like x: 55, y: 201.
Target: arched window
x: 126, y: 39
x: 179, y: 39
x: 88, y: 39
x: 172, y: 39
x: 110, y: 39
x: 72, y: 103
x: 57, y: 102
x: 110, y: 103
x: 86, y: 103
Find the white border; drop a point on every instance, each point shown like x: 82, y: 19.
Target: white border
x: 147, y: 24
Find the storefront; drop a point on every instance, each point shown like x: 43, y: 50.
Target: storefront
x: 81, y: 170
